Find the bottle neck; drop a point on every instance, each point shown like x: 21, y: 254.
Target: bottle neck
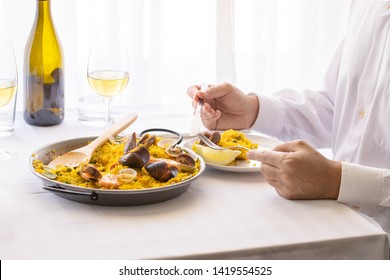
x: 43, y: 9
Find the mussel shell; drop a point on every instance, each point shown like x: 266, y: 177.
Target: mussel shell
x: 147, y: 140
x: 215, y: 137
x: 160, y: 170
x: 136, y: 158
x: 143, y: 138
x: 132, y: 160
x: 90, y: 173
x: 207, y: 134
x: 131, y: 143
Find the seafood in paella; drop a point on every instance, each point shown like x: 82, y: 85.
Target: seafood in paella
x: 127, y: 163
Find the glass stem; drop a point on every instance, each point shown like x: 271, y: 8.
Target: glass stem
x: 107, y: 117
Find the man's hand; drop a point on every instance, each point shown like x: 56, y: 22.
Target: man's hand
x: 225, y: 106
x: 298, y: 171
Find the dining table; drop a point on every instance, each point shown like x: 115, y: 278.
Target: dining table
x: 222, y: 215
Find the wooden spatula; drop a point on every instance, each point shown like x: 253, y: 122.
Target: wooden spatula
x: 83, y: 154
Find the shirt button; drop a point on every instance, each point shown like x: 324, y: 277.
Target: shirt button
x: 354, y: 207
x: 362, y: 113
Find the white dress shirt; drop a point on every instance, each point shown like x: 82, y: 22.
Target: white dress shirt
x: 351, y: 114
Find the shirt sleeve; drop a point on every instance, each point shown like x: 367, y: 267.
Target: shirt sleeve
x: 362, y: 186
x: 308, y: 114
x: 290, y: 115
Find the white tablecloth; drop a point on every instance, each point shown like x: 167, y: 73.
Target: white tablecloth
x: 222, y: 215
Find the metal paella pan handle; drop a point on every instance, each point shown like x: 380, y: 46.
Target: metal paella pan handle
x: 165, y: 130
x: 92, y: 195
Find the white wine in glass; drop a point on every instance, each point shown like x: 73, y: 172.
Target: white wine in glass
x: 108, y: 70
x: 8, y: 90
x: 108, y: 83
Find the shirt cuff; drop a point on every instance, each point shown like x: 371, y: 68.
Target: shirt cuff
x: 361, y: 185
x: 270, y: 118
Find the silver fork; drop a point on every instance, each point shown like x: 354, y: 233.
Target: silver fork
x: 215, y: 146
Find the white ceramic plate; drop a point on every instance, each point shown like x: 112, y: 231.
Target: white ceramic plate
x: 242, y: 165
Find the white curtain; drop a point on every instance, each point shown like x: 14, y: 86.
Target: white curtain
x: 286, y: 43
x: 259, y: 45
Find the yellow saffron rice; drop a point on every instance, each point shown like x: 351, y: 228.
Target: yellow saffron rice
x: 233, y: 138
x: 105, y: 159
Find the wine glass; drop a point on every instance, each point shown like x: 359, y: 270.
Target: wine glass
x: 8, y: 89
x: 108, y: 69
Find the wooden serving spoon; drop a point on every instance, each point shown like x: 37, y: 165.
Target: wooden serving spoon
x: 83, y: 154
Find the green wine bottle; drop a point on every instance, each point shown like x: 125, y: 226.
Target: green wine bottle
x: 43, y: 71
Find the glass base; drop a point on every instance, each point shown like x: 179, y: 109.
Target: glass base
x: 92, y: 118
x: 91, y: 105
x: 7, y: 154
